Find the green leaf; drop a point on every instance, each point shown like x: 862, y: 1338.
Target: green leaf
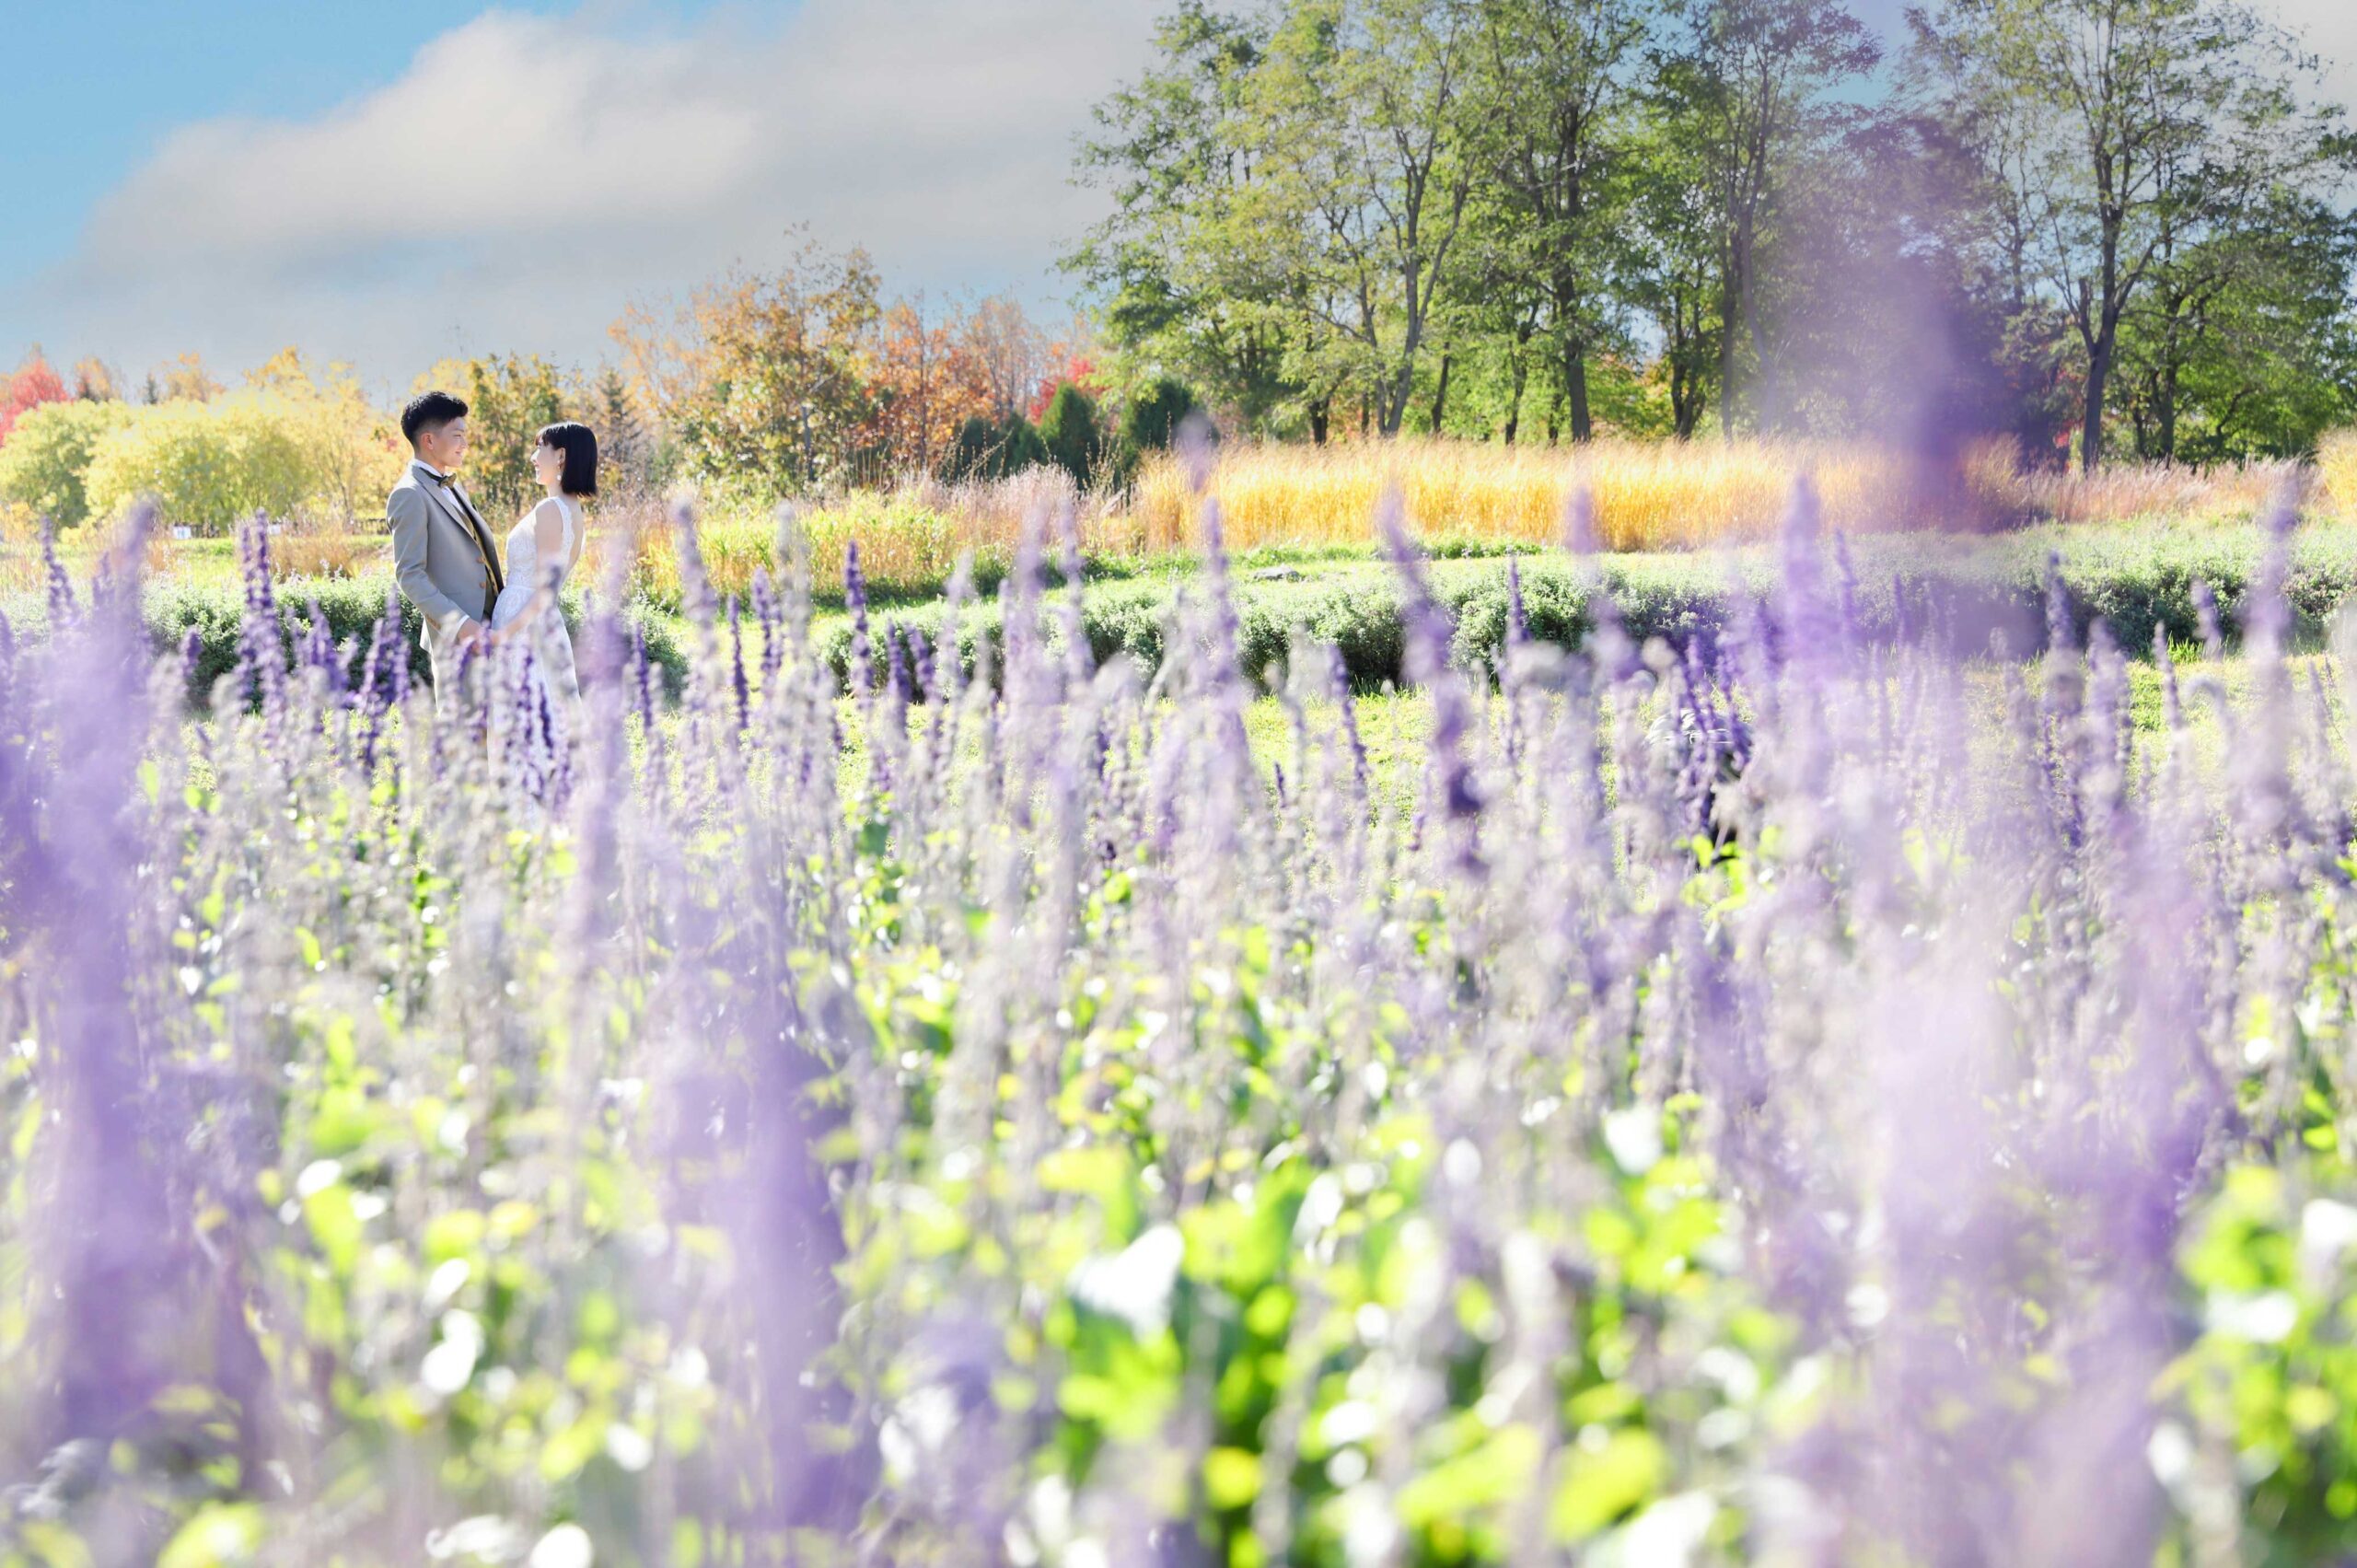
x: 1599, y: 1486
x: 1494, y: 1472
x: 1231, y: 1478
x: 217, y: 1535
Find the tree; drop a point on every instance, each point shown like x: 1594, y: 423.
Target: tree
x: 94, y: 381
x: 1153, y: 419
x: 1753, y: 76
x: 764, y: 380
x: 928, y: 380
x: 47, y: 457
x: 787, y: 391
x: 2135, y: 129
x: 1553, y: 123
x: 1000, y: 448
x: 1009, y: 349
x: 354, y: 452
x: 184, y: 379
x: 1671, y: 270
x: 1291, y: 195
x: 1182, y: 287
x: 623, y: 449
x: 33, y: 384
x: 1071, y: 435
x: 209, y: 465
x: 1361, y: 115
x: 2244, y: 342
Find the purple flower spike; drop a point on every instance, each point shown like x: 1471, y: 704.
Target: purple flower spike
x: 855, y: 601
x: 737, y: 681
x: 62, y: 606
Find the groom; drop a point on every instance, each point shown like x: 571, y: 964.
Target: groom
x: 443, y: 552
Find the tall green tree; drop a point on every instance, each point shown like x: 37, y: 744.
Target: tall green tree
x: 1363, y: 117
x: 2243, y: 342
x: 2135, y: 131
x: 1756, y: 81
x: 1555, y: 119
x: 1671, y: 271
x: 1182, y: 289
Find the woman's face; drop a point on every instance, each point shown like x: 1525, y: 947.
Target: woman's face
x: 548, y: 463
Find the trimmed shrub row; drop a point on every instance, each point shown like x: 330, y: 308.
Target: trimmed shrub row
x: 352, y: 607
x: 1976, y: 598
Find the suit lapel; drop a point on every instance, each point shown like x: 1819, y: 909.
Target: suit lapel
x: 459, y: 510
x: 482, y: 530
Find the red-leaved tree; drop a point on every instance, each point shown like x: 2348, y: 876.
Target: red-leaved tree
x: 33, y: 384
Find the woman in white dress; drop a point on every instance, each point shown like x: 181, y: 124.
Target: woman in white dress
x: 542, y: 548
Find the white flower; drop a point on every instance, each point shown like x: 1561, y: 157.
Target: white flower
x: 451, y: 1361
x: 1134, y: 1284
x: 2263, y: 1319
x: 1634, y: 1137
x: 567, y: 1546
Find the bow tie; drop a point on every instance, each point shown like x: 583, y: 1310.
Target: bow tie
x: 444, y: 480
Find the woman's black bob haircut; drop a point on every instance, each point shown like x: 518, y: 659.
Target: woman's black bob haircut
x: 579, y: 444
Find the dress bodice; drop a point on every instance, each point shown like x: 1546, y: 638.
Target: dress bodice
x: 525, y: 573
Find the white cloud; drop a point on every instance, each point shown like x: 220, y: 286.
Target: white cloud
x: 526, y: 175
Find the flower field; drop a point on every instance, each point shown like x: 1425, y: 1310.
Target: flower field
x: 970, y: 1088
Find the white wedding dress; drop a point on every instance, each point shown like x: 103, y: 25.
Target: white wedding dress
x: 551, y: 644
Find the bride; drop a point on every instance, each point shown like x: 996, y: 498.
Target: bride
x: 542, y: 548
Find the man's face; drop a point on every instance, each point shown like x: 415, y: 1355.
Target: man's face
x: 444, y: 448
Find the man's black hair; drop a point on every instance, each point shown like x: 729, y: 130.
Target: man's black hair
x: 430, y: 411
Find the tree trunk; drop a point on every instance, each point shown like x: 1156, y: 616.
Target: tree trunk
x: 1440, y: 394
x: 1520, y: 360
x: 1575, y: 391
x: 2165, y: 389
x: 1321, y: 413
x: 1732, y: 295
x: 2098, y: 379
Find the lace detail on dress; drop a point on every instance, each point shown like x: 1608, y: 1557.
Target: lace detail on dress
x: 550, y: 641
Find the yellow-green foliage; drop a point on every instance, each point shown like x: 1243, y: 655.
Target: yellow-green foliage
x: 41, y: 467
x: 205, y: 464
x: 904, y: 542
x: 293, y: 451
x: 2337, y: 467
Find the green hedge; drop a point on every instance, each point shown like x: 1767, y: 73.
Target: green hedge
x: 1975, y: 595
x: 1970, y: 592
x: 352, y: 606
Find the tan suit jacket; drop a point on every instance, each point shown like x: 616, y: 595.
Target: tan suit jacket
x: 445, y: 559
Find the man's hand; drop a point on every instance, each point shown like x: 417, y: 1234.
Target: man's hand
x: 471, y: 632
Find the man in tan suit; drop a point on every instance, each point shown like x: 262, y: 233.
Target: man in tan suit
x: 443, y: 552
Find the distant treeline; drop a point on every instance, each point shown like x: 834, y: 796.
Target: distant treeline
x: 2087, y: 223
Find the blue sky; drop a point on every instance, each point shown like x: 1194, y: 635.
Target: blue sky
x: 388, y: 183
x: 391, y: 182
x: 104, y: 80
